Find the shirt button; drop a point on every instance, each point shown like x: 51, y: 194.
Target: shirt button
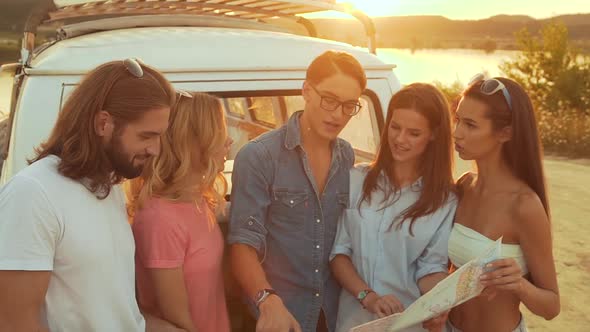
x: 318, y: 221
x: 318, y: 246
x: 291, y: 201
x: 316, y: 270
x: 250, y: 223
x: 317, y: 294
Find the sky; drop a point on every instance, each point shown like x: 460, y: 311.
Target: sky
x: 467, y: 9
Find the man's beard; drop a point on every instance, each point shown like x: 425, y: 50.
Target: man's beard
x: 121, y: 162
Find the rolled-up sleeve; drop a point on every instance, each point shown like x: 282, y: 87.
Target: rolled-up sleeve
x: 250, y: 197
x: 435, y: 257
x: 343, y: 242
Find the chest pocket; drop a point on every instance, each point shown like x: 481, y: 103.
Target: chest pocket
x: 288, y: 209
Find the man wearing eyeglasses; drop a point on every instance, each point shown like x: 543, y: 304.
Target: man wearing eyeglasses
x: 66, y: 248
x: 289, y: 188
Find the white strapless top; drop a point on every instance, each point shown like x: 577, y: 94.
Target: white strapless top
x: 466, y: 244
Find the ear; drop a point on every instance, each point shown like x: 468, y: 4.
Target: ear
x: 306, y: 92
x: 505, y: 134
x: 103, y: 124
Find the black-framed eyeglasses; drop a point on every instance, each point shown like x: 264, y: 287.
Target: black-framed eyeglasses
x: 331, y: 104
x: 490, y: 86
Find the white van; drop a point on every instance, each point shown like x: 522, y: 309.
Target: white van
x: 244, y: 51
x: 241, y: 51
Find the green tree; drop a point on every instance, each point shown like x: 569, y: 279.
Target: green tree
x: 557, y: 77
x: 451, y: 91
x: 555, y: 74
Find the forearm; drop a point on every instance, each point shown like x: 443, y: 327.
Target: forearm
x: 247, y: 269
x: 179, y: 318
x: 428, y: 282
x: 19, y: 323
x: 346, y: 274
x: 172, y: 298
x: 541, y: 302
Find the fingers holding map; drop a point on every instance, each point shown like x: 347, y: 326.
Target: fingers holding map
x: 459, y: 287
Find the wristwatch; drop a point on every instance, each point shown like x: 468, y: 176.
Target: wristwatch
x: 263, y: 295
x: 363, y: 294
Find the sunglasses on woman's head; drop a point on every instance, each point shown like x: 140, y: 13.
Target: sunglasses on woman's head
x: 490, y: 86
x: 133, y: 66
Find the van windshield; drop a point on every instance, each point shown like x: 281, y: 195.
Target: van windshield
x: 249, y: 117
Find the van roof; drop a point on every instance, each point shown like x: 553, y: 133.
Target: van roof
x: 187, y: 49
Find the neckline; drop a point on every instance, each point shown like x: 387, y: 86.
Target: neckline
x: 474, y: 233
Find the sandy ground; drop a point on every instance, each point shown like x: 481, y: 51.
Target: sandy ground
x: 569, y: 195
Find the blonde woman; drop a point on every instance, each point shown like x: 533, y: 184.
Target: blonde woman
x: 179, y: 246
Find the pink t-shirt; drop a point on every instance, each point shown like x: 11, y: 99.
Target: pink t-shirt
x: 170, y: 235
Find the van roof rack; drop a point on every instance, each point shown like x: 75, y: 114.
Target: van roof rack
x: 264, y: 11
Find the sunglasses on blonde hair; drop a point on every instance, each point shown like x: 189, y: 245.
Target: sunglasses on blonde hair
x: 183, y: 93
x: 133, y: 66
x: 490, y: 86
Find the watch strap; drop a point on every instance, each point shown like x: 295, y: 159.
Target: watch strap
x: 363, y: 294
x: 263, y: 294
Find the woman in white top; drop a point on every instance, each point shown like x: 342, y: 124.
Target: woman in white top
x: 496, y: 128
x: 391, y: 243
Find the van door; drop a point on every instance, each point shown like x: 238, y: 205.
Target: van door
x: 7, y: 73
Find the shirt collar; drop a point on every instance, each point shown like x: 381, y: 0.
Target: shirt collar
x: 293, y: 136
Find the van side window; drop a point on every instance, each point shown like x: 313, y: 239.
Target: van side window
x: 264, y: 110
x: 236, y: 106
x: 293, y: 104
x: 362, y: 131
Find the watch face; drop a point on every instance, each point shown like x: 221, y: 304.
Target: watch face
x: 260, y: 294
x: 362, y: 295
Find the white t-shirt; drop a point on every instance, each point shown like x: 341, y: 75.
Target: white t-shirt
x: 49, y: 222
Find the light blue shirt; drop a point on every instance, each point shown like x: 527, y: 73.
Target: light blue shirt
x: 388, y: 258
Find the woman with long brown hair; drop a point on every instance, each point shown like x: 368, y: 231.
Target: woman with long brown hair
x: 496, y: 127
x: 179, y: 245
x: 391, y: 244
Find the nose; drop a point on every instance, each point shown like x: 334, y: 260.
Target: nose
x: 401, y: 137
x: 154, y: 149
x: 457, y: 132
x: 337, y: 114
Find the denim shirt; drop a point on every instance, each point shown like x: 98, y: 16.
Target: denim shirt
x: 276, y: 209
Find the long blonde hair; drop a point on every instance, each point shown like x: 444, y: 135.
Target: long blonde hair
x: 196, y: 132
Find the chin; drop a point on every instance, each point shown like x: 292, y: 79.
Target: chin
x: 465, y: 156
x: 327, y: 136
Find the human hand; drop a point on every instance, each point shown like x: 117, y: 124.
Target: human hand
x: 274, y: 317
x: 382, y: 306
x: 506, y: 275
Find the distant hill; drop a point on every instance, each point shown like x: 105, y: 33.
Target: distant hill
x: 441, y: 32
x: 415, y: 32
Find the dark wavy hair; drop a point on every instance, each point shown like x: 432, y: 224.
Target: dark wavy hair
x: 523, y: 152
x: 436, y: 166
x: 112, y: 88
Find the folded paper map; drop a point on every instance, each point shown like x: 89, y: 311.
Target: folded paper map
x: 461, y: 286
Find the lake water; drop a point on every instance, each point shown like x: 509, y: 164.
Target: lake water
x: 446, y: 66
